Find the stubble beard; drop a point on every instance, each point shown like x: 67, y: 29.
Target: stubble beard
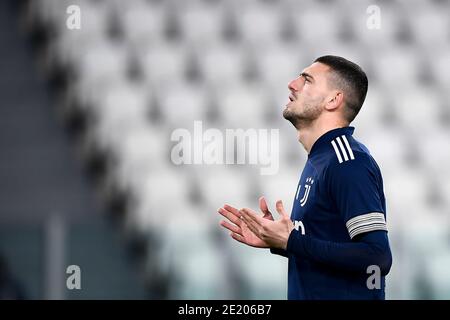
x: 303, y: 118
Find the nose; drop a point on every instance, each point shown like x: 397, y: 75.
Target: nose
x: 294, y: 85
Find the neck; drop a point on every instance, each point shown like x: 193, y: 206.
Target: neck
x: 308, y: 134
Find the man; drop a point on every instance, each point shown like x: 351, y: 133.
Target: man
x: 336, y: 238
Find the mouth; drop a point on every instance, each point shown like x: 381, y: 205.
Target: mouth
x: 291, y: 97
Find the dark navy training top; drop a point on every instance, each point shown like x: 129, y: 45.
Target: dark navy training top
x: 339, y: 200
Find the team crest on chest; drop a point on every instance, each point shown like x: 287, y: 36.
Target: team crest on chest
x: 308, y: 184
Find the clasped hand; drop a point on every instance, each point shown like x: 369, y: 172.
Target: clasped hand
x: 248, y: 227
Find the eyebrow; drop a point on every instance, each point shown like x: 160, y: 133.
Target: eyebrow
x: 306, y: 75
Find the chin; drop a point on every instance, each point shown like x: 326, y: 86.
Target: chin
x: 288, y: 114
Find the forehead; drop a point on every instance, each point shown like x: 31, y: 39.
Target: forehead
x: 317, y: 70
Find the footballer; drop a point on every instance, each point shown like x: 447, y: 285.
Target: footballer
x: 337, y: 229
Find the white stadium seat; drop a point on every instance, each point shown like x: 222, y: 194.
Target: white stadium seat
x: 259, y: 24
x: 243, y: 105
x: 222, y: 64
x: 257, y: 264
x: 418, y: 106
x: 220, y: 185
x: 315, y: 22
x: 407, y: 69
x: 143, y: 22
x: 182, y: 103
x: 163, y: 62
x: 201, y: 24
x: 195, y: 265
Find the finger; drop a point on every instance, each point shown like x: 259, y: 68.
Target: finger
x: 251, y: 224
x: 231, y: 227
x: 280, y: 209
x: 265, y: 209
x: 231, y: 209
x: 230, y: 216
x: 251, y: 215
x: 238, y: 238
x: 263, y: 205
x: 253, y: 229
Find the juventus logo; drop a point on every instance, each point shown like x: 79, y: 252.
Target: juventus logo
x: 308, y: 185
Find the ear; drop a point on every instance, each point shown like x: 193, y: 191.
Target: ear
x: 335, y: 100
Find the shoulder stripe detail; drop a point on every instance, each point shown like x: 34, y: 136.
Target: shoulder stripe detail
x: 342, y: 151
x: 365, y: 223
x: 337, y: 151
x: 350, y: 152
x: 342, y: 148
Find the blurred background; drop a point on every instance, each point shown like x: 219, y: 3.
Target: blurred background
x: 85, y: 137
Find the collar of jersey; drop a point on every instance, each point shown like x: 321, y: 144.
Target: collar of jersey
x: 328, y: 136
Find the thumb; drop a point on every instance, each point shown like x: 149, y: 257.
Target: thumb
x: 280, y: 209
x: 264, y: 208
x: 263, y: 205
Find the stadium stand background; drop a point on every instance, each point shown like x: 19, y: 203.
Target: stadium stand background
x: 87, y: 129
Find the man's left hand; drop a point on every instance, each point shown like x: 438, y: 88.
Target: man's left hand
x: 274, y: 233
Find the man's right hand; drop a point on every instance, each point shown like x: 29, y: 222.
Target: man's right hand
x: 239, y: 230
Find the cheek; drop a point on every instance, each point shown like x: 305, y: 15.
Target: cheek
x: 307, y: 90
x: 312, y: 94
x: 306, y: 95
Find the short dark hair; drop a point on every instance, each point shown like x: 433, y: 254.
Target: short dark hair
x: 351, y: 79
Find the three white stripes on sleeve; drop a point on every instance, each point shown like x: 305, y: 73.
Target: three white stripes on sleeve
x: 342, y: 151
